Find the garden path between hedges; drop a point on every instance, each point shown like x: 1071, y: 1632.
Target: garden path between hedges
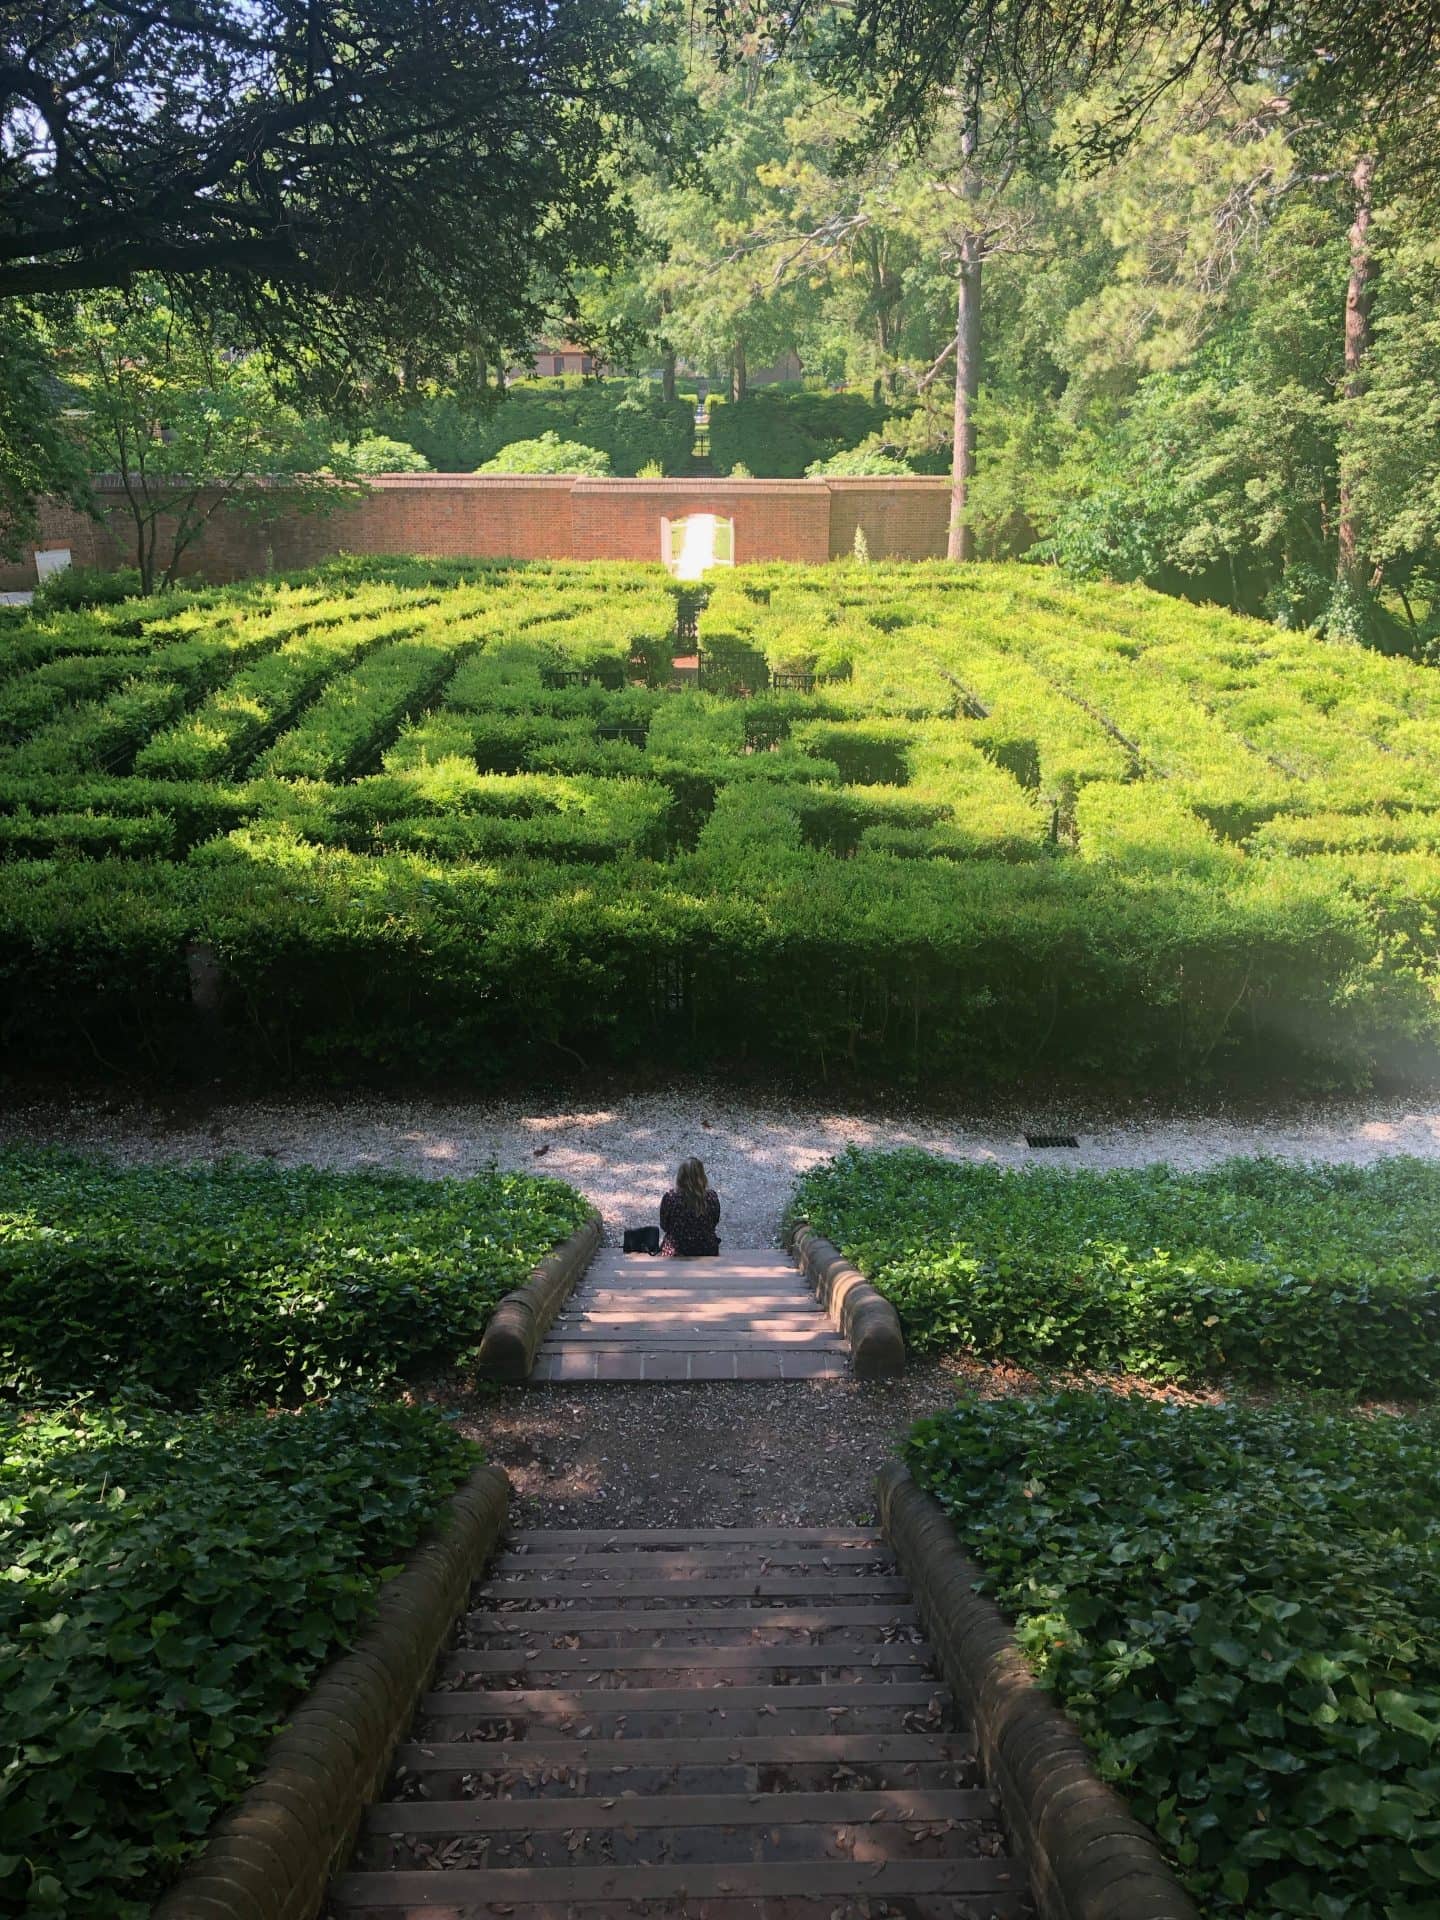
x: 721, y: 1453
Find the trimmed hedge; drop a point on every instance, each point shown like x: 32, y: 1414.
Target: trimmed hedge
x: 173, y: 1584
x: 981, y: 824
x: 628, y: 420
x: 1238, y: 1607
x: 779, y: 432
x: 1256, y: 1270
x: 274, y: 1282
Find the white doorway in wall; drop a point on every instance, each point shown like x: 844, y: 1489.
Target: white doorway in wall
x: 695, y: 542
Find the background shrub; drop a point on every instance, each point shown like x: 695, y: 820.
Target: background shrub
x: 378, y: 453
x: 859, y: 461
x: 778, y: 433
x: 173, y: 1584
x: 627, y: 420
x: 85, y: 587
x: 1256, y: 1270
x: 1238, y: 1607
x: 548, y: 454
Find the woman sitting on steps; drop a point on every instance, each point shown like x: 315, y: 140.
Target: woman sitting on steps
x: 689, y: 1214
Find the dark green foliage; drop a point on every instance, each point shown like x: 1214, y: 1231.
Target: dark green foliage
x: 86, y: 587
x: 173, y: 1584
x: 778, y: 432
x: 1255, y: 1270
x: 1239, y: 1608
x: 626, y: 419
x: 276, y: 1282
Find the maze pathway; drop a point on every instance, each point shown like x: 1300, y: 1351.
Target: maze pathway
x: 719, y: 1725
x: 745, y: 1316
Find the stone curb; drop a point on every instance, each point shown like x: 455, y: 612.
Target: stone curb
x: 270, y: 1856
x: 866, y: 1317
x: 1087, y: 1856
x: 522, y: 1319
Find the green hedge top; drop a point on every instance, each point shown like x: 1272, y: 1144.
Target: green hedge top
x: 1241, y: 1609
x: 778, y: 432
x: 173, y: 1583
x: 275, y: 1281
x: 1257, y: 1269
x: 628, y: 420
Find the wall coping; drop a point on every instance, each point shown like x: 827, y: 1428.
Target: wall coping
x: 685, y: 484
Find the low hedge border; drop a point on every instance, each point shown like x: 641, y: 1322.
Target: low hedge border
x: 522, y: 1319
x: 866, y: 1317
x: 271, y: 1855
x: 1087, y: 1856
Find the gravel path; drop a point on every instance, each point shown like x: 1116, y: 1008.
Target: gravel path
x: 721, y: 1454
x: 622, y: 1150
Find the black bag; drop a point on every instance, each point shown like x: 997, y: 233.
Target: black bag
x: 642, y: 1240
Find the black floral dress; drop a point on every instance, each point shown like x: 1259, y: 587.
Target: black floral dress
x: 689, y: 1225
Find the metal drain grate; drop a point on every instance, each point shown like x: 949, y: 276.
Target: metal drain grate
x: 1051, y: 1140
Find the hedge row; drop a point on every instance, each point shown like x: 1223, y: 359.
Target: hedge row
x: 174, y: 1583
x: 997, y: 824
x: 1238, y: 1607
x: 738, y: 952
x: 777, y: 432
x: 1255, y: 1271
x: 276, y: 1282
x: 627, y: 419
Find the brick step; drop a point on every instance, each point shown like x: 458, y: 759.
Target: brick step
x: 617, y: 1756
x: 794, y: 1906
x: 576, y: 1366
x: 736, y: 1626
x: 701, y: 1554
x: 607, y: 1587
x: 479, y: 1888
x: 624, y: 1338
x: 541, y: 1539
x: 687, y: 1769
x: 738, y: 1259
x: 655, y: 1319
x: 563, y: 1705
x: 699, y: 1660
x: 459, y: 1769
x: 866, y: 1806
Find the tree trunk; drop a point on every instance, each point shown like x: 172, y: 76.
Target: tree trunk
x: 667, y: 377
x: 961, y: 545
x: 737, y: 371
x: 967, y: 385
x: 1358, y: 296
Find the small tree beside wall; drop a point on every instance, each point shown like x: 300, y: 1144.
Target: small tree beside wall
x: 188, y: 426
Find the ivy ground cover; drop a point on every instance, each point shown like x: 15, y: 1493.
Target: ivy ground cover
x: 274, y: 1283
x: 916, y: 822
x: 1241, y: 1609
x: 172, y: 1584
x: 1257, y: 1271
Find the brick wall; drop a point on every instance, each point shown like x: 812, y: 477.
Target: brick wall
x: 529, y: 517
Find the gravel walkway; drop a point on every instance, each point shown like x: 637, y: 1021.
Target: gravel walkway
x: 622, y: 1150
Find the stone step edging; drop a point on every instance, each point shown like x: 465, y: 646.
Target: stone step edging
x: 523, y: 1317
x: 1088, y: 1857
x: 865, y: 1317
x: 270, y: 1856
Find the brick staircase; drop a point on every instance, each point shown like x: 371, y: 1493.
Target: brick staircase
x: 747, y: 1315
x: 708, y: 1724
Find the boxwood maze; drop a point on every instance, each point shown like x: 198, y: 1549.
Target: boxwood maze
x: 1256, y: 1270
x: 1238, y: 1606
x: 915, y: 822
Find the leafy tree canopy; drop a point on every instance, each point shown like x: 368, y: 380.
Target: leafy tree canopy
x: 425, y: 165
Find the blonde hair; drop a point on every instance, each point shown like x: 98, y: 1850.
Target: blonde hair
x: 691, y: 1181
